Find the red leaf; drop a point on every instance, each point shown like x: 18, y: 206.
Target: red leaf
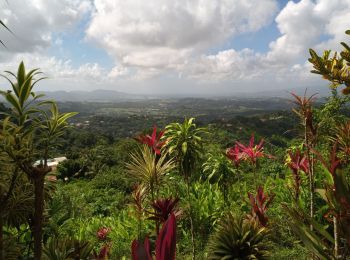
x: 166, y: 241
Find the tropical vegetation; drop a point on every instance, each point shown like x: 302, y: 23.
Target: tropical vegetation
x: 185, y: 190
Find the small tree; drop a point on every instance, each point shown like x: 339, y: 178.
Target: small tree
x: 29, y: 132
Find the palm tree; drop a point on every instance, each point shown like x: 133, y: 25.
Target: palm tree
x: 237, y: 237
x: 28, y: 133
x: 184, y: 142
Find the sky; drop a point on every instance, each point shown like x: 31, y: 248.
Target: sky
x: 213, y: 47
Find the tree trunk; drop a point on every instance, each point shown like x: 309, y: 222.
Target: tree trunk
x: 191, y: 220
x: 38, y: 214
x: 311, y: 172
x: 336, y: 238
x: 2, y: 255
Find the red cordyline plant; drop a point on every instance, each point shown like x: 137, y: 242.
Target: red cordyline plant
x: 103, y: 253
x: 337, y: 196
x: 260, y: 203
x: 165, y: 243
x: 163, y: 208
x: 297, y: 162
x: 102, y: 235
x: 304, y: 104
x: 153, y: 141
x: 343, y: 139
x: 234, y: 154
x: 252, y: 152
x: 138, y: 196
x: 333, y: 162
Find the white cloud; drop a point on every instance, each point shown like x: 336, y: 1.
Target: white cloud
x: 170, y: 40
x: 302, y: 25
x: 34, y: 21
x: 60, y: 73
x: 160, y: 35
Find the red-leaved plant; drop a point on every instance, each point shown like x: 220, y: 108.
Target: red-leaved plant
x: 252, y: 152
x: 297, y: 162
x: 152, y: 141
x: 102, y: 235
x: 163, y: 208
x: 234, y: 154
x: 141, y: 251
x: 260, y: 204
x: 165, y: 243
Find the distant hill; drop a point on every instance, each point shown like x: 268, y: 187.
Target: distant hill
x: 92, y: 96
x: 102, y: 95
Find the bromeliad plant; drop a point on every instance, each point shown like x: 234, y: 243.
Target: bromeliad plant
x: 237, y: 237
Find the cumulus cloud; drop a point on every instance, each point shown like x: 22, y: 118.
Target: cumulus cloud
x: 302, y: 25
x: 158, y: 34
x: 33, y: 22
x: 60, y: 73
x: 164, y: 39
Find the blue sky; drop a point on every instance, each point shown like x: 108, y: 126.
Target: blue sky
x: 178, y: 46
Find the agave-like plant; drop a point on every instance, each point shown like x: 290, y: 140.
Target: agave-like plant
x: 237, y: 237
x: 64, y: 248
x: 148, y: 170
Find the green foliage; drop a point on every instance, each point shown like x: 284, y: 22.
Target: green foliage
x: 184, y: 142
x: 319, y: 241
x: 149, y: 170
x: 219, y: 169
x: 334, y: 68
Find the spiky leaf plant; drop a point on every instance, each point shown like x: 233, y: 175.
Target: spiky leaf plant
x: 237, y: 237
x: 146, y: 169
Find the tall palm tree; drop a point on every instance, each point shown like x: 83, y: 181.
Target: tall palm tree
x: 185, y: 143
x: 28, y: 133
